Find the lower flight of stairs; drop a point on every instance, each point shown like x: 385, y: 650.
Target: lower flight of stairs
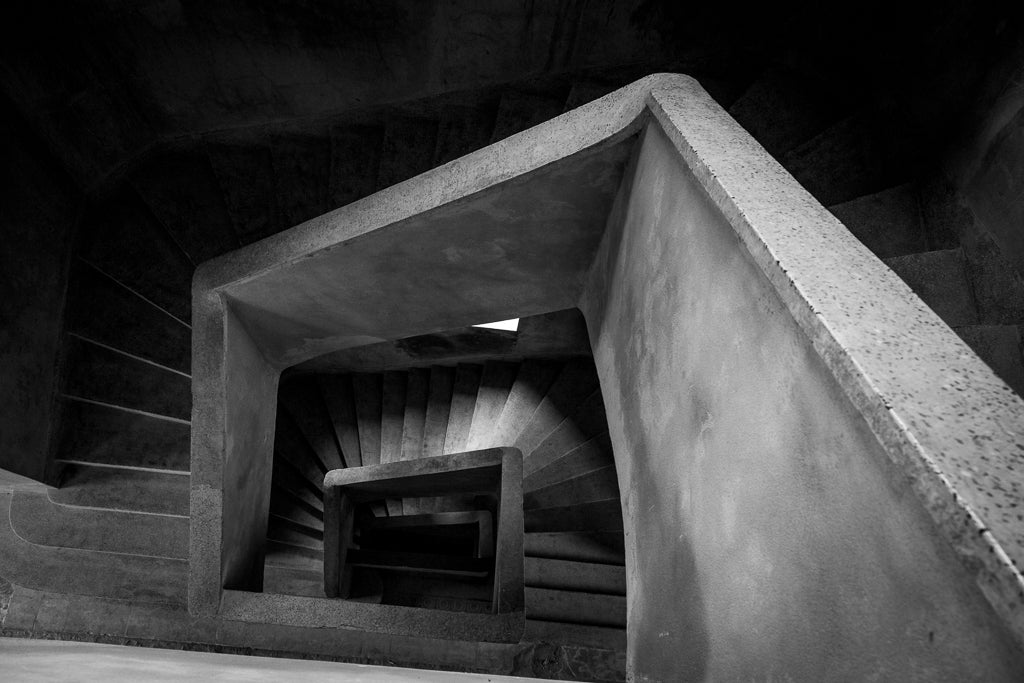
x: 551, y: 410
x: 104, y: 556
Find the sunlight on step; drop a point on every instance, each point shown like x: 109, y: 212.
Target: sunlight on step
x: 511, y: 325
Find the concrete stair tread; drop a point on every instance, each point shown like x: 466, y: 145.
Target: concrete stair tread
x: 87, y: 572
x: 581, y: 423
x: 532, y: 382
x: 603, y: 515
x: 341, y: 407
x: 414, y: 419
x: 576, y: 607
x: 40, y: 521
x: 98, y: 486
x: 603, y: 547
x: 460, y: 416
x: 366, y: 389
x: 593, y: 454
x: 302, y: 400
x: 103, y: 434
x: 496, y: 382
x: 568, y: 575
x: 576, y: 378
x: 594, y: 486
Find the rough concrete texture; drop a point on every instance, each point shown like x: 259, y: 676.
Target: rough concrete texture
x: 755, y: 494
x: 872, y: 348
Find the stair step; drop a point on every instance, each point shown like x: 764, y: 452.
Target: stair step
x: 604, y: 547
x: 533, y: 380
x: 601, y: 637
x: 495, y: 383
x: 839, y: 164
x: 41, y: 522
x: 940, y: 279
x: 520, y: 110
x: 88, y: 572
x: 462, y: 130
x: 575, y: 576
x: 392, y: 418
x: 581, y: 423
x: 415, y: 413
x: 102, y: 309
x: 1000, y: 347
x: 109, y: 435
x: 292, y: 481
x: 341, y: 407
x: 592, y: 454
x: 460, y: 417
x: 302, y: 169
x: 288, y: 531
x: 292, y: 447
x: 300, y: 398
x: 122, y: 489
x: 245, y: 173
x: 355, y: 158
x: 293, y: 581
x: 392, y: 422
x: 577, y: 378
x: 587, y: 609
x: 439, y: 404
x: 284, y: 503
x: 407, y: 149
x: 181, y: 190
x: 366, y: 389
x: 122, y: 238
x: 101, y: 374
x: 780, y: 109
x: 998, y: 288
x: 299, y: 557
x: 603, y: 515
x: 887, y: 222
x: 591, y: 487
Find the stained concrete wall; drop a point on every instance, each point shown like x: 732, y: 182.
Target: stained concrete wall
x: 768, y: 533
x: 38, y: 212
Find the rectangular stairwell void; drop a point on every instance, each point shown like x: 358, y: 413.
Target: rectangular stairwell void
x: 352, y: 533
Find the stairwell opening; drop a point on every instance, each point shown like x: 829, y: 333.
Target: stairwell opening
x: 467, y: 389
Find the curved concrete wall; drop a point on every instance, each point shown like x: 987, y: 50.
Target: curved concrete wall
x: 768, y: 531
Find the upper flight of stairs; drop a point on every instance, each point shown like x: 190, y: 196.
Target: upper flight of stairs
x: 551, y: 410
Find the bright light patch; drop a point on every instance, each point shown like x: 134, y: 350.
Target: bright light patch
x: 510, y: 325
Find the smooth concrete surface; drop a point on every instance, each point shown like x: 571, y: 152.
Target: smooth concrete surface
x: 27, y: 660
x: 768, y: 532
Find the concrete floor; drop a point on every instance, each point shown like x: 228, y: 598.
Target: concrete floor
x: 54, y: 660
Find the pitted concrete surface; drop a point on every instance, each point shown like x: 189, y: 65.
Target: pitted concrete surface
x: 27, y: 661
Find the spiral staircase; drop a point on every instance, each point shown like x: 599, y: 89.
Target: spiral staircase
x: 115, y: 529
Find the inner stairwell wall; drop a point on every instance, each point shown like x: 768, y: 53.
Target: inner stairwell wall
x: 767, y: 528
